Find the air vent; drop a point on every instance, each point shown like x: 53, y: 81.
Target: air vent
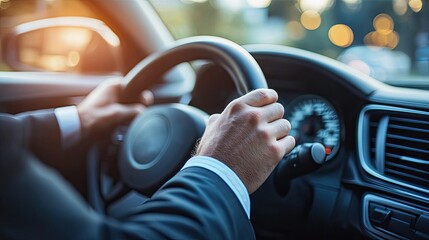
x: 407, y: 149
x: 394, y: 145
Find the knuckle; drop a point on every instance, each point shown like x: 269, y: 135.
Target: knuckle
x: 236, y: 106
x: 263, y: 134
x: 275, y: 150
x: 263, y: 95
x: 253, y: 117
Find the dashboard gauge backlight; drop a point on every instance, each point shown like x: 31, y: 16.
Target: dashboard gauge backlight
x: 314, y: 119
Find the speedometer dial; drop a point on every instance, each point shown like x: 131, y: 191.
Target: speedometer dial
x: 314, y: 119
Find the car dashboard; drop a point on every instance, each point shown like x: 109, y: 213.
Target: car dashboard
x: 375, y: 182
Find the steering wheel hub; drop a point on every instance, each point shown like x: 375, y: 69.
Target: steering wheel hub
x: 156, y: 146
x: 150, y: 141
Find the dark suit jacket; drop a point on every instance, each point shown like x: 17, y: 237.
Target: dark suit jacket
x: 36, y: 202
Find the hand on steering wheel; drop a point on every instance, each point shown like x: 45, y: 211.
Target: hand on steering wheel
x: 101, y: 110
x: 250, y: 136
x: 161, y: 139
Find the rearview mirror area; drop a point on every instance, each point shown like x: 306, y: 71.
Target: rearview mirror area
x: 65, y: 44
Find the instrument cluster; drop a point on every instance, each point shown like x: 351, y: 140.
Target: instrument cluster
x: 314, y: 119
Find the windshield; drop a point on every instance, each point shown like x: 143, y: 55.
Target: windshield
x: 387, y: 39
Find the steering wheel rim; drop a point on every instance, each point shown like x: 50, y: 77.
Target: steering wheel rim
x: 242, y: 67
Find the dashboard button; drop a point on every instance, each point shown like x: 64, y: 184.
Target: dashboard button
x: 380, y: 215
x: 422, y: 223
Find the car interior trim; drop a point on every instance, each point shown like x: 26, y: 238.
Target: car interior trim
x: 363, y: 158
x: 15, y: 86
x: 364, y: 83
x: 380, y: 142
x: 369, y: 199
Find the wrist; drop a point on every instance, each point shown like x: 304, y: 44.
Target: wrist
x: 230, y: 164
x: 85, y: 122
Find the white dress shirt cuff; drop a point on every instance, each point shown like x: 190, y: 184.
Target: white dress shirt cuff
x: 69, y: 123
x: 227, y: 175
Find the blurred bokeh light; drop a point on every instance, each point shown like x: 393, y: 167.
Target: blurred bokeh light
x: 400, y: 7
x: 416, y: 5
x: 311, y: 19
x: 341, y: 35
x: 384, y: 34
x: 383, y: 24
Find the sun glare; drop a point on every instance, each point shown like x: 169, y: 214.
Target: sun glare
x: 259, y: 3
x: 316, y: 5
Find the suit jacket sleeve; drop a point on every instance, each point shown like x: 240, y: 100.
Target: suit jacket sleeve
x: 195, y: 204
x: 36, y: 203
x: 42, y: 134
x: 43, y: 139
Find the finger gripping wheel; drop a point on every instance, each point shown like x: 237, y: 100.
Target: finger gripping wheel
x: 160, y: 140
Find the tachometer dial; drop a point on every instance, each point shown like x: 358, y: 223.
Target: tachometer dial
x: 314, y: 119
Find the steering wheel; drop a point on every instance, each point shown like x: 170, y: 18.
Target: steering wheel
x: 161, y: 139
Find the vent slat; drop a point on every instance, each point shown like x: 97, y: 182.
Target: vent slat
x: 396, y: 126
x: 409, y: 169
x: 399, y: 137
x: 409, y: 177
x: 409, y: 120
x: 408, y: 159
x: 402, y: 147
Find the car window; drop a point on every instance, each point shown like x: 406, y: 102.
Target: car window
x: 55, y: 35
x: 387, y: 39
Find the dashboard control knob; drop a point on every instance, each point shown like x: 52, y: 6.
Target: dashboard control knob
x: 303, y: 159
